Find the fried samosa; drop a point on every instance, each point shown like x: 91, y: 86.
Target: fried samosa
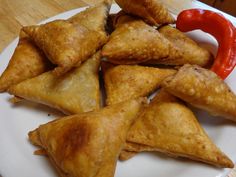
x: 67, y: 43
x: 88, y: 144
x: 168, y: 126
x: 26, y: 62
x: 135, y: 42
x: 125, y: 82
x: 186, y: 50
x: 77, y: 91
x: 93, y: 18
x: 152, y: 11
x: 203, y: 89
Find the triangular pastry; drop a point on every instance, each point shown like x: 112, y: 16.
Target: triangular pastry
x: 152, y: 11
x: 133, y: 41
x: 26, y: 62
x: 202, y: 88
x: 88, y: 144
x: 77, y: 91
x: 186, y: 50
x: 94, y: 18
x: 67, y: 43
x: 168, y: 126
x: 123, y: 82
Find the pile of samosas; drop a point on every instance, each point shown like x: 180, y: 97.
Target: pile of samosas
x: 58, y: 64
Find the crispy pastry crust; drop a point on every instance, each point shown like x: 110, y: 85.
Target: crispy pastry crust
x: 67, y: 43
x: 87, y: 144
x: 152, y: 11
x: 133, y: 42
x: 184, y: 51
x: 168, y: 126
x: 125, y: 82
x: 204, y: 89
x: 27, y: 62
x: 77, y: 91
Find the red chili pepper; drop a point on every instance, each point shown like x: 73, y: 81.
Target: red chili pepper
x: 219, y: 27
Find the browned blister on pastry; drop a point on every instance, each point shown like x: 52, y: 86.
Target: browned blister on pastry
x: 185, y: 50
x: 67, y: 43
x: 135, y: 42
x: 123, y: 82
x: 88, y: 144
x: 204, y: 89
x: 168, y: 126
x: 152, y: 11
x: 77, y: 91
x: 26, y: 62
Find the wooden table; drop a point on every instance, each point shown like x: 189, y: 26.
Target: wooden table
x: 14, y: 14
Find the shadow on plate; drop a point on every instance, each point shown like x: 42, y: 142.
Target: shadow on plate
x: 36, y: 107
x: 209, y: 120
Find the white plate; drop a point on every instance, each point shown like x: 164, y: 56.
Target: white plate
x: 16, y: 153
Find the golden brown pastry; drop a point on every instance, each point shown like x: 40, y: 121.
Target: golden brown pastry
x: 126, y: 155
x: 133, y: 41
x: 186, y: 50
x: 27, y: 62
x: 77, y: 91
x: 87, y: 144
x: 152, y: 11
x: 120, y: 18
x: 15, y: 100
x: 168, y: 126
x: 67, y: 43
x: 124, y: 82
x: 94, y: 18
x: 204, y: 89
x: 131, y: 149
